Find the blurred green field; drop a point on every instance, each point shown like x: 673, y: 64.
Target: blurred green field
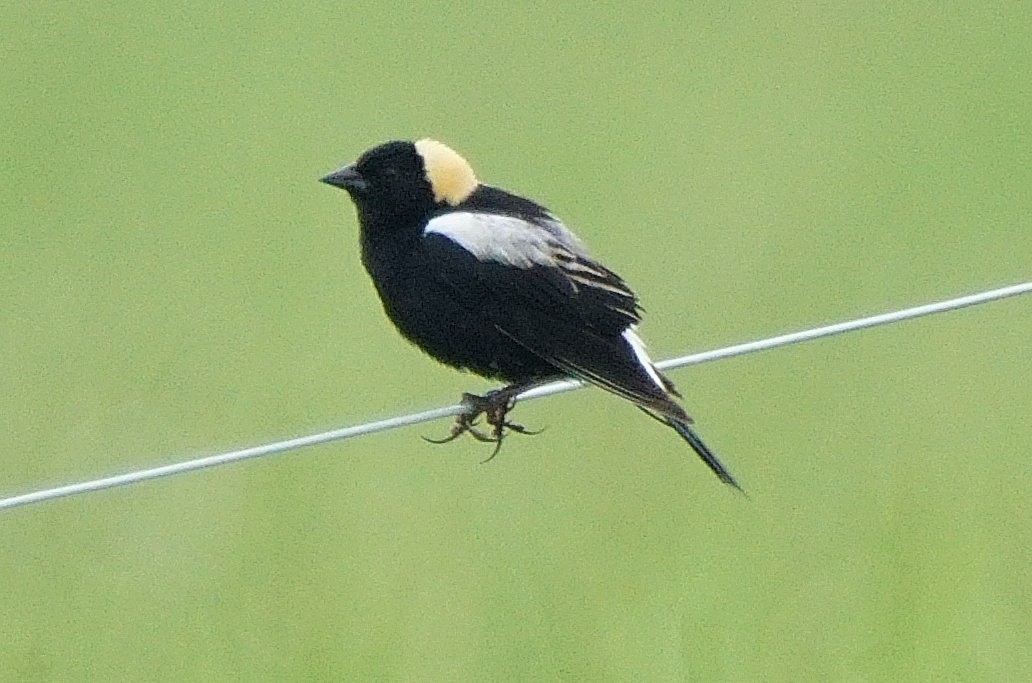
x: 175, y: 282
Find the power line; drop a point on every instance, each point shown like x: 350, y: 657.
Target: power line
x: 537, y: 392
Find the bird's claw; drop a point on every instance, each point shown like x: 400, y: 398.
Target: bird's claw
x: 464, y: 423
x: 494, y: 406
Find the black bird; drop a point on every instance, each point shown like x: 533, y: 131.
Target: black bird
x: 488, y: 281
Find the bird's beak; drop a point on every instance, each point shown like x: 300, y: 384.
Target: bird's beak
x: 347, y: 178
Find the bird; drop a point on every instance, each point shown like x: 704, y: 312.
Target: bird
x: 490, y: 282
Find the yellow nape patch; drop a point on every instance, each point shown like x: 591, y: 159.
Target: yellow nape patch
x: 450, y: 176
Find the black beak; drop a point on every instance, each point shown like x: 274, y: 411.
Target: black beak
x: 347, y: 178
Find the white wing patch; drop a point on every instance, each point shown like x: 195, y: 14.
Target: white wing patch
x: 524, y: 244
x: 638, y: 346
x: 502, y: 239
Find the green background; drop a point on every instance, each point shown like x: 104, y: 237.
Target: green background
x: 176, y: 283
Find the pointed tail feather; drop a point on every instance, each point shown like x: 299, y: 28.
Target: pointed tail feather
x: 708, y: 457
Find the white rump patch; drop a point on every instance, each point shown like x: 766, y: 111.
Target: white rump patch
x: 638, y: 346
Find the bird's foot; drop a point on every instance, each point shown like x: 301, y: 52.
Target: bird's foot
x: 495, y: 407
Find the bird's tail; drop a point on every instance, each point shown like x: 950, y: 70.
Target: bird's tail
x: 703, y: 451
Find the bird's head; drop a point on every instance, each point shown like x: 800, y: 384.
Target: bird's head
x: 402, y: 181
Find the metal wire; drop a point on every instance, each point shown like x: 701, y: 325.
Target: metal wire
x: 537, y: 392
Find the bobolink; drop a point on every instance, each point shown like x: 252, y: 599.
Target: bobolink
x: 491, y: 282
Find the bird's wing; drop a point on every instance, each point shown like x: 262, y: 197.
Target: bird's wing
x: 541, y: 289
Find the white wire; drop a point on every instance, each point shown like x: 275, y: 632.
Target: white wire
x: 537, y: 392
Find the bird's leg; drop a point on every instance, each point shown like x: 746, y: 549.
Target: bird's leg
x: 464, y: 422
x: 494, y: 406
